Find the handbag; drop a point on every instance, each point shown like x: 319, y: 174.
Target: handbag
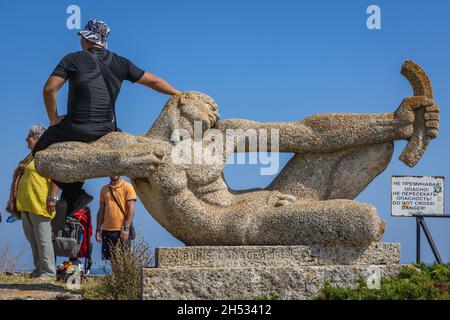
x: 112, y: 101
x: 132, y: 231
x: 11, y: 205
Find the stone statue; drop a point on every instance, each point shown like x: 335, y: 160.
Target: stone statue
x: 309, y: 202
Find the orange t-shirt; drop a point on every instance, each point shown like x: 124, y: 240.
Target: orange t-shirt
x: 114, y: 219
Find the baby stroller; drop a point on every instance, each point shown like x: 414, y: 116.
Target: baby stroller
x: 72, y: 239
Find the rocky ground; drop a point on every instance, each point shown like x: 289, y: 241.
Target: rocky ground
x: 18, y: 286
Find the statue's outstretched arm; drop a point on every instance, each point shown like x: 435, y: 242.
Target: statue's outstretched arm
x: 333, y: 132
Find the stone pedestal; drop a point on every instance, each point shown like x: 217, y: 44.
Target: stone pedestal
x: 246, y: 272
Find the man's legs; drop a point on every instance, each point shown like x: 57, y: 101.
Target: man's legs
x: 52, y: 135
x: 70, y: 191
x: 73, y: 194
x: 111, y: 239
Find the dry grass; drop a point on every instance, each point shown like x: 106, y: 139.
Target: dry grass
x: 8, y: 259
x: 124, y: 282
x: 23, y: 278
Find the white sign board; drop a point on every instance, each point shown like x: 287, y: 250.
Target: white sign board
x: 417, y: 196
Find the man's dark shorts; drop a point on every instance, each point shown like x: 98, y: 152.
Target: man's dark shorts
x: 109, y: 240
x: 68, y: 130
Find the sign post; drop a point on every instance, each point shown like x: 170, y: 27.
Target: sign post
x: 419, y: 197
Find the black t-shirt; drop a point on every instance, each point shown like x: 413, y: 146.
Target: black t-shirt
x: 88, y: 100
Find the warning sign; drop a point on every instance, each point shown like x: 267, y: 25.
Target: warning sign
x: 417, y: 195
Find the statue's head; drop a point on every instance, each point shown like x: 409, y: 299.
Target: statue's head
x: 196, y: 106
x: 181, y: 111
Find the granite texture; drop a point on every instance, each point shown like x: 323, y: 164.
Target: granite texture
x: 422, y: 131
x: 116, y: 154
x: 310, y: 202
x: 246, y: 272
x: 301, y: 282
x: 276, y: 256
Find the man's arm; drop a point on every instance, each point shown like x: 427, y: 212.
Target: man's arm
x: 156, y: 83
x: 100, y: 218
x: 131, y: 207
x: 51, y: 89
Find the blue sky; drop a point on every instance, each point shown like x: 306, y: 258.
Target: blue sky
x: 260, y: 60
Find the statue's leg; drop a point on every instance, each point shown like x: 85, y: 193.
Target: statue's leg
x: 339, y: 175
x: 115, y: 154
x: 305, y: 222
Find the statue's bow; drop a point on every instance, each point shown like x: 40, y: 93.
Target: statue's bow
x: 422, y: 87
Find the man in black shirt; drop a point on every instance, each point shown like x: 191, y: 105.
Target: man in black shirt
x: 95, y: 76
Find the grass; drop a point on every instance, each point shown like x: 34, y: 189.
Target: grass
x: 123, y: 283
x: 125, y: 280
x: 418, y: 282
x: 22, y: 278
x: 20, y: 286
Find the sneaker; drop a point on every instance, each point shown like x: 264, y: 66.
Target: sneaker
x: 46, y: 278
x: 33, y: 274
x: 82, y: 201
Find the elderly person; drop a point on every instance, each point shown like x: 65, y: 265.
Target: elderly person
x: 33, y: 200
